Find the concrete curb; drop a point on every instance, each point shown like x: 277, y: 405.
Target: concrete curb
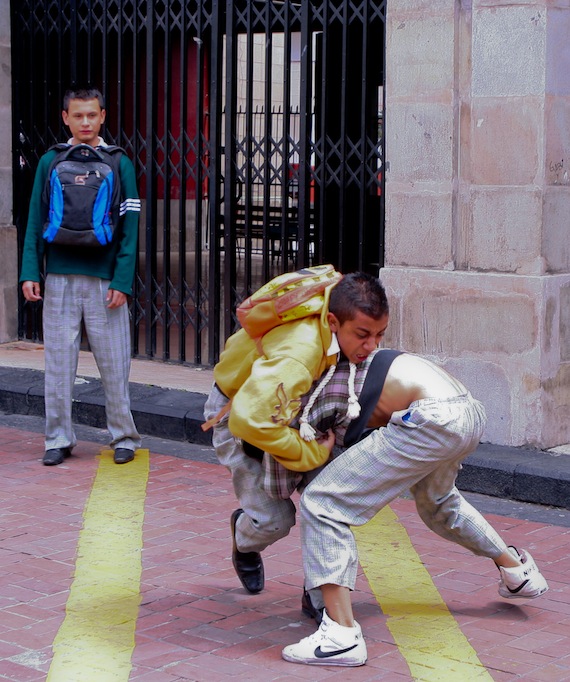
x: 160, y: 412
x: 520, y: 474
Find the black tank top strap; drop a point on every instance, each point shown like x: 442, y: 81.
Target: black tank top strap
x: 371, y: 391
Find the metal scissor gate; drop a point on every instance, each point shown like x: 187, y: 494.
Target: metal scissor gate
x: 255, y: 127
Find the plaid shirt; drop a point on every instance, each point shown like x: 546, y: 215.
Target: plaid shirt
x: 328, y: 412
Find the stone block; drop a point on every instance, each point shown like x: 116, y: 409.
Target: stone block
x: 555, y: 397
x: 5, y: 23
x: 506, y: 141
x: 399, y: 8
x: 508, y: 51
x: 8, y: 283
x: 501, y: 3
x: 558, y: 51
x: 5, y: 134
x: 557, y: 131
x: 6, y: 213
x: 442, y: 321
x: 8, y: 251
x: 392, y: 337
x: 555, y: 229
x: 419, y: 142
x: 9, y: 312
x: 456, y: 321
x: 419, y: 56
x: 418, y: 228
x: 504, y: 231
x: 489, y: 382
x: 5, y: 77
x: 564, y: 323
x: 504, y: 336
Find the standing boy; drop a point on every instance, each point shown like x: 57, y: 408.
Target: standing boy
x: 423, y: 423
x: 84, y: 283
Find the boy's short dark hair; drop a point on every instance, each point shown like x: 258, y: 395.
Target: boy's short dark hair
x: 83, y: 94
x: 358, y: 291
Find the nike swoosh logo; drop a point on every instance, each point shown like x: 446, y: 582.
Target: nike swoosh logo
x: 517, y: 589
x: 328, y: 654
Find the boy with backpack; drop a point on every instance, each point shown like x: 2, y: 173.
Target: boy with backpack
x: 294, y: 329
x: 83, y: 220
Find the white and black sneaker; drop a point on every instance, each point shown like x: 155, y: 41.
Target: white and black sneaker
x: 331, y: 644
x: 522, y: 582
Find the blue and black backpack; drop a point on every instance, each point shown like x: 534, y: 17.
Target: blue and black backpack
x: 82, y: 195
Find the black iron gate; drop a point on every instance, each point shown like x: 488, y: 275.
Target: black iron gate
x: 255, y: 127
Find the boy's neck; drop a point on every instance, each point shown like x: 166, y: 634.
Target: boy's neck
x: 97, y: 142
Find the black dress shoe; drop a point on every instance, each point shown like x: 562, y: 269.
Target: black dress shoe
x: 248, y: 565
x: 123, y: 455
x: 309, y: 609
x: 55, y: 456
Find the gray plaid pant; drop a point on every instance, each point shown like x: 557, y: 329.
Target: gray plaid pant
x: 68, y: 300
x: 266, y: 519
x: 421, y: 449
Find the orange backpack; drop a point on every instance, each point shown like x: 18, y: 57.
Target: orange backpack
x: 285, y: 298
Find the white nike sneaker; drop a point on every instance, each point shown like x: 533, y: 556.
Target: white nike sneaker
x: 331, y: 644
x: 522, y: 582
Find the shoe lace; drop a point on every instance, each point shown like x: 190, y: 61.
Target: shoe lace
x: 318, y: 636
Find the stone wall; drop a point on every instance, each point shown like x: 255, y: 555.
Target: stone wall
x: 8, y: 238
x: 478, y: 203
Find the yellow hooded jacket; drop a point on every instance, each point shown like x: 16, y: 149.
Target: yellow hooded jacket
x: 265, y: 380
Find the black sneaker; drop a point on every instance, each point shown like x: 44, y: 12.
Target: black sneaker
x: 248, y: 565
x: 308, y: 608
x: 55, y: 456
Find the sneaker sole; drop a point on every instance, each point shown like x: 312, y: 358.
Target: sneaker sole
x: 510, y: 595
x: 328, y: 661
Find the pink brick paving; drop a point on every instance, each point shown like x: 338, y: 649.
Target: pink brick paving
x: 196, y: 622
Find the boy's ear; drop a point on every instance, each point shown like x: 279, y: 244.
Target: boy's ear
x: 334, y: 324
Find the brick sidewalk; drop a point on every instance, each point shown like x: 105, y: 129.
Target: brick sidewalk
x: 197, y: 623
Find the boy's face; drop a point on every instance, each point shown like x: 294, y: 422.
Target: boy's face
x: 358, y: 337
x: 84, y: 119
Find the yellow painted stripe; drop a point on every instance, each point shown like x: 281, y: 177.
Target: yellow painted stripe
x: 97, y: 636
x: 428, y: 636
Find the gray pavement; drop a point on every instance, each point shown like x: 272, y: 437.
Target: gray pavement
x: 124, y: 573
x: 199, y: 452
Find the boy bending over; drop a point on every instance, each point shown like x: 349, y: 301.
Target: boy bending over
x: 422, y: 424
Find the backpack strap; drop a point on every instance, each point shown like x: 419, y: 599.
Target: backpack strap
x: 371, y: 391
x: 112, y: 149
x: 59, y: 147
x: 66, y: 147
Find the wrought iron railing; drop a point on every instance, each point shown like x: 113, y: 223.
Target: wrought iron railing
x: 253, y: 127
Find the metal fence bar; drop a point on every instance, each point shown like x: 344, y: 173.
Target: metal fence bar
x: 288, y: 157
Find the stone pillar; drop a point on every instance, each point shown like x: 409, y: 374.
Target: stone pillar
x: 8, y: 237
x: 478, y: 203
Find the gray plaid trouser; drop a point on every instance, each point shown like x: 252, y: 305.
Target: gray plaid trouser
x: 68, y: 300
x: 421, y: 449
x: 266, y: 519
